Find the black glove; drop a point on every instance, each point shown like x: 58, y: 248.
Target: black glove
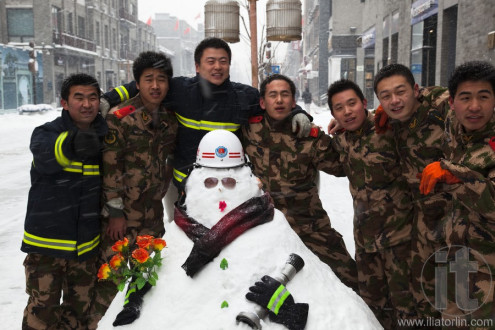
x: 282, y: 309
x: 132, y: 306
x: 86, y: 144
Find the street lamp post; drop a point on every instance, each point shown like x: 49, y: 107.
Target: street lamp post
x: 284, y: 24
x: 254, y: 42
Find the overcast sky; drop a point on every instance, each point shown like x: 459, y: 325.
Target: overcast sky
x: 186, y: 10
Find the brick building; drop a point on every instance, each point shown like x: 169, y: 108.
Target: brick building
x: 98, y: 37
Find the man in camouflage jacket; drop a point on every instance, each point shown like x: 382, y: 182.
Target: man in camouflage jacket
x: 382, y: 205
x: 468, y: 174
x: 141, y: 136
x: 288, y: 168
x: 417, y: 118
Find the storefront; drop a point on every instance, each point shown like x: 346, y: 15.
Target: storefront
x: 16, y: 81
x: 424, y: 17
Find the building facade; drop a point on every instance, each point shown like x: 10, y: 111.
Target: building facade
x: 181, y: 39
x: 429, y: 36
x: 98, y: 37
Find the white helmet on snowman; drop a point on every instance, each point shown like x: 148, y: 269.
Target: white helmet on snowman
x: 220, y: 149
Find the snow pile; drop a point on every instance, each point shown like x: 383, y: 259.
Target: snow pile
x: 216, y: 284
x: 181, y: 302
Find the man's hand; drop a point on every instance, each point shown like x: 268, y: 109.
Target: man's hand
x: 334, y: 127
x: 432, y: 174
x: 271, y: 294
x: 104, y: 106
x: 116, y: 228
x: 86, y: 143
x: 381, y: 120
x: 301, y: 125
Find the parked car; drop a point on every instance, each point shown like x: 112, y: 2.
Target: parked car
x: 34, y: 108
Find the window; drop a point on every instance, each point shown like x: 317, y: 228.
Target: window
x: 423, y: 52
x: 56, y: 19
x: 97, y: 33
x: 20, y: 25
x: 348, y: 69
x: 114, y: 38
x: 81, y: 27
x: 70, y: 24
x: 107, y: 36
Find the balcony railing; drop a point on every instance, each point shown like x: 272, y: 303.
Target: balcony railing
x: 73, y: 41
x: 125, y: 15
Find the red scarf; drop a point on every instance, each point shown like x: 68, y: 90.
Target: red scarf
x: 209, y: 242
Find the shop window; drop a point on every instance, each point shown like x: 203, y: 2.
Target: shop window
x: 423, y: 52
x: 348, y: 69
x: 369, y: 69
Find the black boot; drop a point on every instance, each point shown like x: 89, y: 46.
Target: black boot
x: 132, y: 306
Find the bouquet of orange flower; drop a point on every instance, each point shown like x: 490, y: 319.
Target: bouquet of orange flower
x: 142, y: 265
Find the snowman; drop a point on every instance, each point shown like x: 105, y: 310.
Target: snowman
x: 226, y: 237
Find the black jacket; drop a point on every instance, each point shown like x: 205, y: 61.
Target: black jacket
x: 306, y: 96
x: 200, y: 107
x: 62, y: 218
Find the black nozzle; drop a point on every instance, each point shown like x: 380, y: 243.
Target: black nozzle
x: 296, y: 261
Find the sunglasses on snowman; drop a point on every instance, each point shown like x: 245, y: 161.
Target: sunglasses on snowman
x: 228, y: 183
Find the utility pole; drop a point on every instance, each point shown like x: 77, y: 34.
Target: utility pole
x: 33, y: 67
x: 254, y: 42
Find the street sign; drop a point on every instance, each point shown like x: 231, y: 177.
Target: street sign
x: 275, y: 68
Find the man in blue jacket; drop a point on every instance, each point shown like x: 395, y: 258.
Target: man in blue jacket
x: 62, y: 228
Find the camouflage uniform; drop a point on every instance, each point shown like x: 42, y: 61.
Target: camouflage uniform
x: 46, y: 278
x: 136, y: 149
x: 288, y: 168
x: 471, y: 158
x: 382, y: 220
x: 419, y: 142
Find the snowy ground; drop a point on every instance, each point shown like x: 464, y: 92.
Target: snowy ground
x: 15, y: 132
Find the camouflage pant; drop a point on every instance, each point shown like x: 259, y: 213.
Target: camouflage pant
x: 384, y: 283
x: 469, y: 293
x: 328, y: 245
x: 105, y: 291
x: 428, y: 237
x: 46, y: 279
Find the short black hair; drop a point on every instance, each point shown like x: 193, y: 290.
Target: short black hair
x: 277, y: 76
x: 394, y: 69
x: 471, y: 71
x: 155, y: 60
x: 340, y: 86
x: 78, y: 79
x: 211, y: 42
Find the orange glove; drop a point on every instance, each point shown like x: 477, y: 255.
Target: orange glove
x: 432, y: 174
x: 381, y: 120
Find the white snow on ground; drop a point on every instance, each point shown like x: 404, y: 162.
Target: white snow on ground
x: 15, y: 133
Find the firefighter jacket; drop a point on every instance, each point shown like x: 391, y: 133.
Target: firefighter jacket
x: 200, y: 107
x: 136, y: 148
x: 470, y: 157
x: 288, y: 168
x: 62, y: 218
x: 383, y: 211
